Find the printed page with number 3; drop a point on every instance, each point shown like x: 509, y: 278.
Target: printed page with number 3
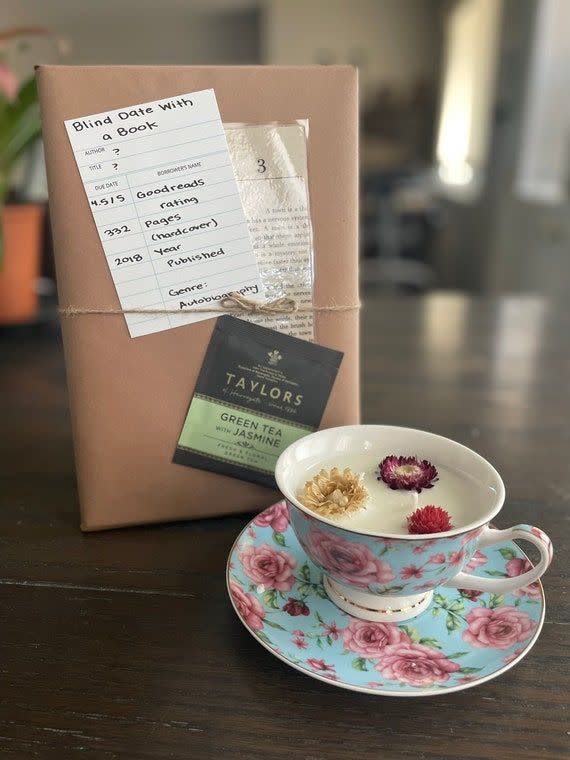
x: 161, y: 187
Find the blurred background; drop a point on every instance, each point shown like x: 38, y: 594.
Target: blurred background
x: 464, y: 124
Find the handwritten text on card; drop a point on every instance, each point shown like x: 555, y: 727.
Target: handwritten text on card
x: 166, y: 205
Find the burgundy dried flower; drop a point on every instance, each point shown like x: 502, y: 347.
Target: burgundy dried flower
x: 295, y: 607
x: 408, y: 473
x: 429, y: 519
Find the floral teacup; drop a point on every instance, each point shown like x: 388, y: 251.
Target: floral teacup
x: 391, y: 576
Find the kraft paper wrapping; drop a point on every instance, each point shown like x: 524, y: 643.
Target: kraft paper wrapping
x: 129, y: 396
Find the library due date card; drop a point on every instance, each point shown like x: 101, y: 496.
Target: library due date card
x: 161, y: 187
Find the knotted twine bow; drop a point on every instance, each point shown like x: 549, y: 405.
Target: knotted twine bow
x: 233, y: 303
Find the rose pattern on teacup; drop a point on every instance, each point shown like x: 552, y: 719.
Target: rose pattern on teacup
x: 385, y: 566
x: 353, y: 563
x: 462, y: 638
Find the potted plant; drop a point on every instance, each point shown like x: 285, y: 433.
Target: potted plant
x: 20, y: 223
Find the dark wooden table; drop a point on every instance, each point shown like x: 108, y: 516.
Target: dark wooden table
x: 124, y: 645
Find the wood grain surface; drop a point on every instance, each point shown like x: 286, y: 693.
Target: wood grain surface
x: 124, y: 646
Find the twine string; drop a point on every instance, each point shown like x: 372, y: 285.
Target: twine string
x: 234, y: 303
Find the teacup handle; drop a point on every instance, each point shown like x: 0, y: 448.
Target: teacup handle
x: 492, y: 536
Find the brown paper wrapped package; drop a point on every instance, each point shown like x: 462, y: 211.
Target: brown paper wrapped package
x: 129, y: 396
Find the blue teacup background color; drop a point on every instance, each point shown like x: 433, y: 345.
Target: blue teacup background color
x: 384, y: 566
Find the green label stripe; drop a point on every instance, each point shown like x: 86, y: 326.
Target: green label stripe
x: 243, y: 411
x: 236, y: 435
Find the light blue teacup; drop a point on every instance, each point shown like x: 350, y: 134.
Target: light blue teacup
x: 371, y: 574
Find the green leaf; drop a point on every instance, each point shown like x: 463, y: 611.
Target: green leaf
x: 304, y: 589
x: 359, y: 663
x: 263, y: 637
x: 320, y: 591
x: 319, y: 643
x: 496, y: 600
x: 329, y: 641
x: 436, y: 611
x: 517, y: 602
x: 507, y: 553
x: 271, y: 624
x: 532, y: 601
x: 412, y: 633
x: 467, y: 671
x: 441, y: 600
x: 430, y: 643
x: 270, y: 598
x: 455, y: 655
x: 456, y: 606
x: 279, y: 538
x: 496, y: 574
x: 305, y: 572
x: 19, y: 125
x: 319, y: 617
x: 452, y: 623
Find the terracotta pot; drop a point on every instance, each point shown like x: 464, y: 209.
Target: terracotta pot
x: 20, y: 265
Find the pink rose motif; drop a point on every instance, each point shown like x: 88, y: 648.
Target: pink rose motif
x: 425, y: 586
x: 470, y: 594
x: 411, y: 571
x: 268, y: 567
x: 352, y: 562
x: 331, y: 630
x: 469, y: 536
x: 476, y: 561
x: 437, y: 559
x: 456, y: 558
x: 320, y: 665
x: 419, y: 549
x: 276, y: 518
x: 415, y: 664
x: 518, y: 566
x: 300, y: 643
x: 248, y: 606
x: 497, y: 629
x: 296, y: 607
x: 370, y: 639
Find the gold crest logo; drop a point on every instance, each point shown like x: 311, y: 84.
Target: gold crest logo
x: 274, y: 357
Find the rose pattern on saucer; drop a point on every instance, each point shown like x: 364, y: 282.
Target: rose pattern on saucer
x: 463, y: 637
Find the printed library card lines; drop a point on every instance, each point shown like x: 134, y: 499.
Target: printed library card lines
x: 162, y: 191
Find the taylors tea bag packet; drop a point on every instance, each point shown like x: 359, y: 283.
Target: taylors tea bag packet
x: 258, y: 391
x: 129, y: 395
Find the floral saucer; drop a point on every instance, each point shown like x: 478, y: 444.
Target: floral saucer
x: 464, y: 638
